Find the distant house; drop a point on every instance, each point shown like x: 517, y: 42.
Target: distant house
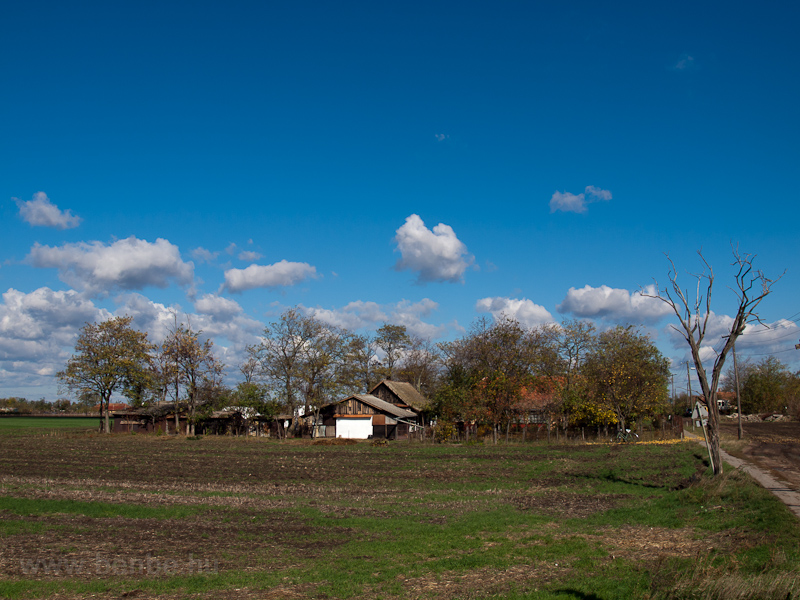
x: 364, y: 416
x: 401, y: 394
x: 152, y: 419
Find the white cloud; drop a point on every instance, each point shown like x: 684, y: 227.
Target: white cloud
x: 200, y: 254
x: 613, y: 304
x: 127, y: 264
x: 353, y: 316
x: 45, y: 315
x: 37, y: 334
x: 249, y: 255
x: 41, y: 212
x: 360, y: 315
x: 218, y: 319
x: 436, y: 255
x: 521, y: 309
x: 567, y: 202
x: 217, y: 306
x: 283, y: 273
x: 759, y: 339
x: 152, y: 317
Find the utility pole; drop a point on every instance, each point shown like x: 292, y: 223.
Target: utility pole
x: 738, y: 394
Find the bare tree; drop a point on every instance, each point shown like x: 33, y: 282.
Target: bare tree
x: 394, y: 341
x: 751, y: 287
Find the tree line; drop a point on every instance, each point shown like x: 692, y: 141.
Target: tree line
x: 766, y: 385
x: 497, y: 374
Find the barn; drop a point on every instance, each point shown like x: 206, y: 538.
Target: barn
x: 402, y: 394
x: 364, y: 416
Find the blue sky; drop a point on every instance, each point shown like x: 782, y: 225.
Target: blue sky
x: 420, y: 163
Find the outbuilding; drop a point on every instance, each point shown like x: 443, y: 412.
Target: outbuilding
x: 364, y: 416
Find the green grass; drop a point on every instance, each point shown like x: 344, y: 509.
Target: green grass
x: 95, y: 510
x: 15, y: 422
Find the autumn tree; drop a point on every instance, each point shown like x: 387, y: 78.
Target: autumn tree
x: 767, y: 385
x: 487, y: 372
x: 694, y: 314
x: 192, y: 366
x: 109, y: 357
x: 627, y: 377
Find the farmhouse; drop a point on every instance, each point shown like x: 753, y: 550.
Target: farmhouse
x: 401, y: 394
x: 364, y: 416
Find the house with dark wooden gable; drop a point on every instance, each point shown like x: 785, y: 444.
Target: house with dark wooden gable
x: 364, y: 416
x: 401, y: 394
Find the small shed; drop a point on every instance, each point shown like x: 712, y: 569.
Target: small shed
x: 159, y: 417
x: 364, y: 416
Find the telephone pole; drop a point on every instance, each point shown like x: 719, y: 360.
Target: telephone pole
x: 738, y: 395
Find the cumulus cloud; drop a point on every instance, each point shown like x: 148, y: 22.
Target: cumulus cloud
x: 613, y: 304
x: 45, y: 314
x: 249, y: 255
x: 40, y: 212
x: 217, y: 319
x: 200, y: 254
x: 283, y: 273
x: 360, y: 315
x: 37, y: 334
x: 436, y: 255
x: 217, y: 306
x: 758, y: 338
x: 127, y: 264
x: 577, y: 203
x: 155, y: 318
x: 522, y: 310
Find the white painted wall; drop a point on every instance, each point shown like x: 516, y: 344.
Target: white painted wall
x: 355, y: 428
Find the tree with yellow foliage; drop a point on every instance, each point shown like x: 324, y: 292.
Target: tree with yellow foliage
x: 627, y: 377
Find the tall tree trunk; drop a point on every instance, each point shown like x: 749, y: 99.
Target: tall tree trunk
x: 106, y: 404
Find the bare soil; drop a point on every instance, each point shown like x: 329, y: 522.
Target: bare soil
x: 250, y: 498
x: 772, y: 446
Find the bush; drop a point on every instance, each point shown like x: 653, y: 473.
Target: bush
x: 442, y: 432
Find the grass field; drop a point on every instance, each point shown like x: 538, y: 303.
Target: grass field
x: 16, y: 422
x: 82, y: 514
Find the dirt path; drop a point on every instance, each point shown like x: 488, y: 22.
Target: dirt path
x: 786, y: 491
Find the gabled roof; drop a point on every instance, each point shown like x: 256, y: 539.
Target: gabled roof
x: 406, y: 392
x: 382, y: 406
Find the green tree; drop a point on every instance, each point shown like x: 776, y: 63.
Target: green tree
x: 108, y: 357
x: 627, y: 376
x: 766, y: 386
